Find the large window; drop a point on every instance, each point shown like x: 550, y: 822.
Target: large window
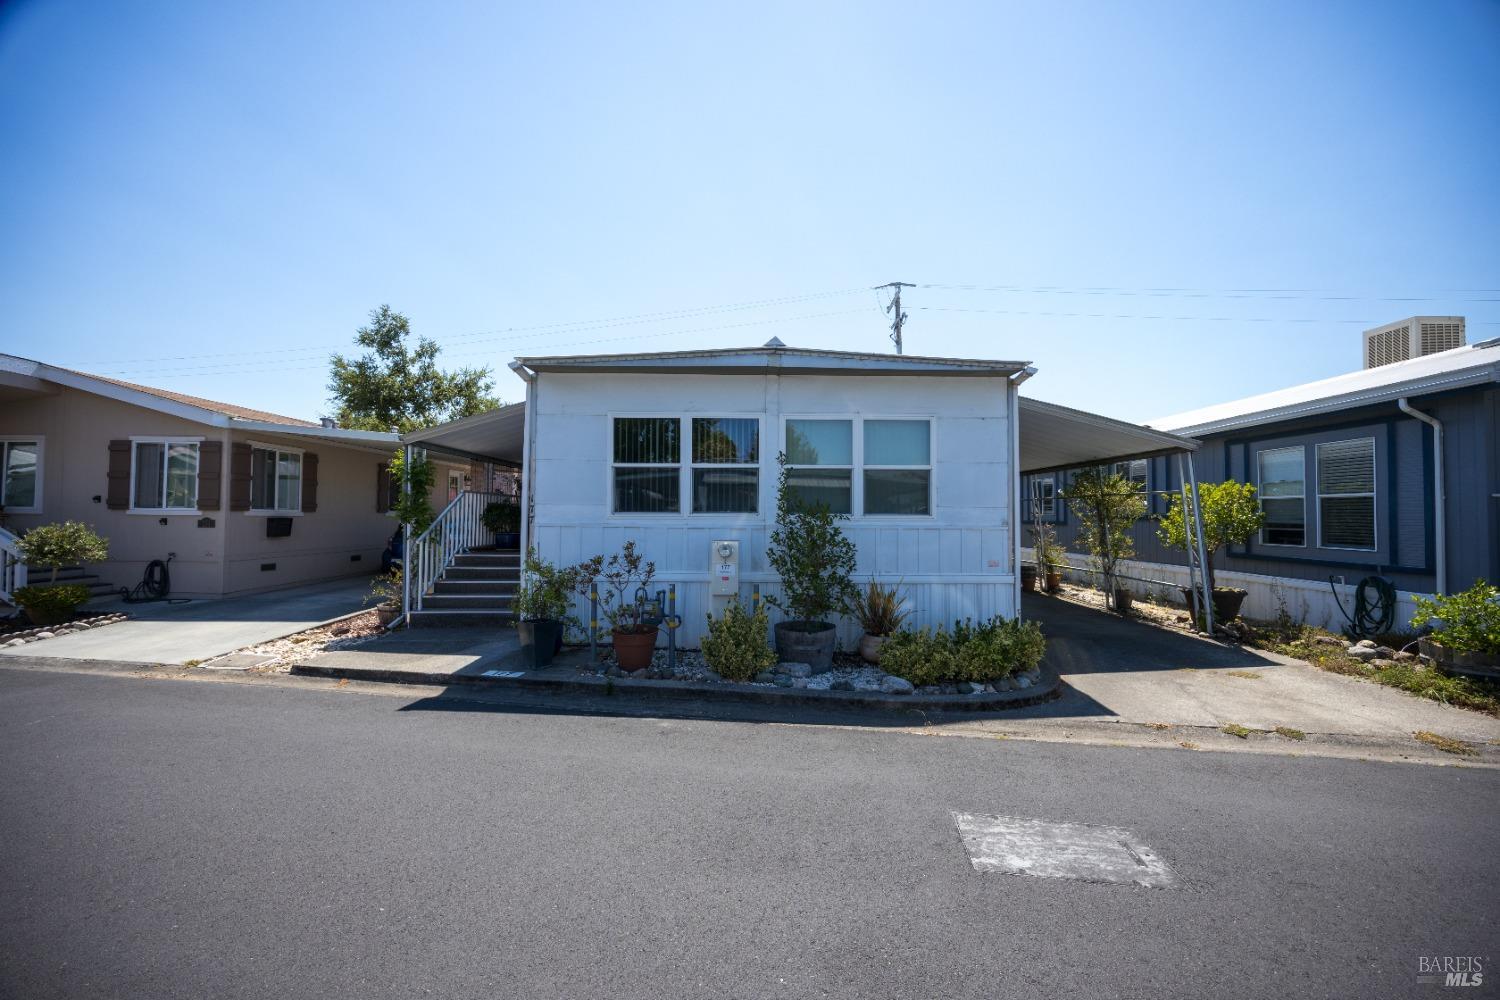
x: 820, y: 462
x: 20, y: 485
x: 275, y: 480
x: 726, y: 465
x: 164, y: 475
x: 648, y: 465
x: 1135, y: 470
x: 1346, y: 494
x: 1043, y: 504
x: 1283, y: 497
x: 898, y: 467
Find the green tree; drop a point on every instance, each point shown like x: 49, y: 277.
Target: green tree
x: 811, y: 555
x: 395, y: 387
x: 1230, y: 513
x: 1107, y: 507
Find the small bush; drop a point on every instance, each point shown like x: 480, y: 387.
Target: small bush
x: 54, y: 604
x: 981, y: 653
x: 736, y: 647
x: 879, y: 610
x: 1471, y: 620
x: 64, y: 543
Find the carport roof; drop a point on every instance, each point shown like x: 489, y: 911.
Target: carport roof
x: 1059, y: 437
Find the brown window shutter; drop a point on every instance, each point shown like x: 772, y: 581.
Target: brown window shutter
x: 239, y: 476
x: 210, y: 468
x: 118, y: 494
x: 309, y: 482
x: 382, y: 488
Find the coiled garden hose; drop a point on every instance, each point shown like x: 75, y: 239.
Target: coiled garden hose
x: 1374, y: 607
x: 155, y: 585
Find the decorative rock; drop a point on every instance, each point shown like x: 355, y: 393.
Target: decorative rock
x: 931, y: 689
x: 765, y: 677
x: 16, y: 642
x: 1006, y: 684
x: 969, y: 687
x: 841, y: 684
x: 799, y: 682
x: 1405, y: 657
x: 1035, y: 673
x: 1023, y: 682
x: 712, y: 676
x: 1385, y: 652
x: 1366, y: 643
x: 42, y: 635
x: 783, y: 681
x: 1382, y: 662
x: 794, y: 669
x: 1366, y: 653
x: 1328, y: 640
x: 896, y: 685
x: 989, y: 689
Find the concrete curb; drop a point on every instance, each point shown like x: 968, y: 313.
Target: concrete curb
x: 1044, y: 690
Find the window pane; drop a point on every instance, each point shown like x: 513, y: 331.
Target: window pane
x: 1347, y: 466
x: 648, y: 440
x: 20, y: 475
x: 1348, y: 522
x: 732, y: 441
x: 826, y: 486
x: 897, y: 442
x: 896, y: 491
x: 647, y: 491
x: 726, y: 491
x: 820, y: 442
x: 262, y: 479
x: 1281, y: 472
x: 288, y: 476
x: 148, y: 468
x: 182, y: 476
x: 1285, y: 521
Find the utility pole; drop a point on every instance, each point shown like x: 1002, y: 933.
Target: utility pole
x: 898, y: 318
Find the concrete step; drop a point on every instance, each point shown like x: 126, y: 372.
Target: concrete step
x: 506, y: 588
x: 482, y: 602
x: 457, y: 617
x: 488, y: 559
x: 97, y: 587
x: 509, y: 574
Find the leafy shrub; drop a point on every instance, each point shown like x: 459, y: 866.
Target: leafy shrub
x: 980, y: 653
x: 52, y: 604
x: 625, y: 573
x: 544, y: 593
x: 386, y: 588
x: 501, y: 517
x: 736, y: 646
x: 65, y: 543
x: 811, y: 555
x: 1471, y: 620
x: 879, y: 610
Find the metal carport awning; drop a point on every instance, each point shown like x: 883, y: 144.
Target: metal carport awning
x: 496, y: 435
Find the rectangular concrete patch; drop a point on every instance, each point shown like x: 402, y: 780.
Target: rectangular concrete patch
x: 1015, y: 845
x: 238, y: 661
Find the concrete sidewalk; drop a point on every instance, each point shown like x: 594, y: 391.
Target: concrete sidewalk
x: 165, y: 632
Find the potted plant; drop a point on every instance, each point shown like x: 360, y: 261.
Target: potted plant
x: 1028, y: 577
x: 1050, y: 556
x: 385, y: 591
x: 1231, y: 515
x: 815, y: 562
x: 55, y: 546
x: 625, y: 597
x: 1107, y: 506
x: 879, y: 611
x: 503, y: 518
x: 1467, y: 639
x: 541, y: 608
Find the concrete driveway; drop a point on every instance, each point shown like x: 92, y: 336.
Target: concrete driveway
x: 201, y: 629
x: 1126, y: 671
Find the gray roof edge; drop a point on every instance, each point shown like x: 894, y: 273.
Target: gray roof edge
x: 683, y: 359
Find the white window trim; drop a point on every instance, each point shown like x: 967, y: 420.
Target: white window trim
x: 1374, y: 494
x: 1036, y: 503
x: 1261, y: 497
x: 856, y: 470
x: 41, y: 453
x: 684, y: 467
x: 301, y: 454
x: 168, y: 439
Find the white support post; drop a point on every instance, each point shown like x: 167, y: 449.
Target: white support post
x: 406, y: 553
x: 1207, y: 571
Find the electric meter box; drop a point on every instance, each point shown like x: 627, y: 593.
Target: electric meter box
x: 724, y: 569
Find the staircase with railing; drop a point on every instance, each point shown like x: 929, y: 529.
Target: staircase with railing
x: 453, y: 571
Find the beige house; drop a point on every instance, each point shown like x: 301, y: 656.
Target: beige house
x: 243, y: 500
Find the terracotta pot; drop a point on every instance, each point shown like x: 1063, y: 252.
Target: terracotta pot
x: 1054, y: 582
x: 1123, y: 600
x: 869, y: 647
x: 387, y: 613
x: 806, y: 642
x: 1028, y: 578
x: 540, y: 640
x: 633, y: 649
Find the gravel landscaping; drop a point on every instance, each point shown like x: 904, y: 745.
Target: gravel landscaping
x: 18, y: 632
x: 346, y: 633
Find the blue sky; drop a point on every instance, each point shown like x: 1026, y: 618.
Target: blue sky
x: 1168, y: 205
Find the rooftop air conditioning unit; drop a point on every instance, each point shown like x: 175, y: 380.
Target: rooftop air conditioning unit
x: 1412, y: 338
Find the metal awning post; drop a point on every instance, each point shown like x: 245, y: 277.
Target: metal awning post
x: 1204, y: 574
x: 406, y: 453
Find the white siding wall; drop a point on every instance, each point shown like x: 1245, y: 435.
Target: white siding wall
x: 955, y: 563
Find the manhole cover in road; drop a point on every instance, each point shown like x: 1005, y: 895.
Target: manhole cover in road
x: 1014, y: 845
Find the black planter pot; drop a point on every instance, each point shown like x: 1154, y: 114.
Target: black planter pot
x: 1227, y: 601
x: 507, y: 539
x: 540, y: 641
x: 807, y: 642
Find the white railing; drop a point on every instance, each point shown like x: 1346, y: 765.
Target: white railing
x: 459, y: 527
x: 12, y: 567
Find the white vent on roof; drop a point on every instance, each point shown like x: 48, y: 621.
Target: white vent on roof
x: 1412, y: 338
x: 774, y: 342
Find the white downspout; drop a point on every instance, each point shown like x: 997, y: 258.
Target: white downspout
x: 1015, y: 381
x: 528, y: 456
x: 1439, y: 493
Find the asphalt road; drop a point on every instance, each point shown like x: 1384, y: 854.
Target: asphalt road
x: 175, y: 839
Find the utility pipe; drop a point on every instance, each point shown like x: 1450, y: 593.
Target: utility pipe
x: 1439, y: 492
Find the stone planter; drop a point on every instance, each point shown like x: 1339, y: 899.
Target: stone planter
x: 1454, y: 662
x: 387, y: 613
x: 807, y: 642
x: 633, y: 649
x: 1028, y: 578
x: 869, y: 646
x: 540, y: 641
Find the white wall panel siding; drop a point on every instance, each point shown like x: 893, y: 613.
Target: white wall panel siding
x: 956, y: 563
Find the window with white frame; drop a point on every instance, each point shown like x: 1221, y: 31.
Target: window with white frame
x: 1282, y: 488
x: 820, y: 462
x: 164, y: 475
x: 20, y: 474
x: 1043, y: 499
x: 726, y: 465
x: 647, y: 466
x: 1134, y: 470
x: 1346, y: 494
x: 897, y: 464
x: 275, y: 479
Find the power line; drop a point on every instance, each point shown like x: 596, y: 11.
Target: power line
x: 1194, y: 319
x: 1306, y: 294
